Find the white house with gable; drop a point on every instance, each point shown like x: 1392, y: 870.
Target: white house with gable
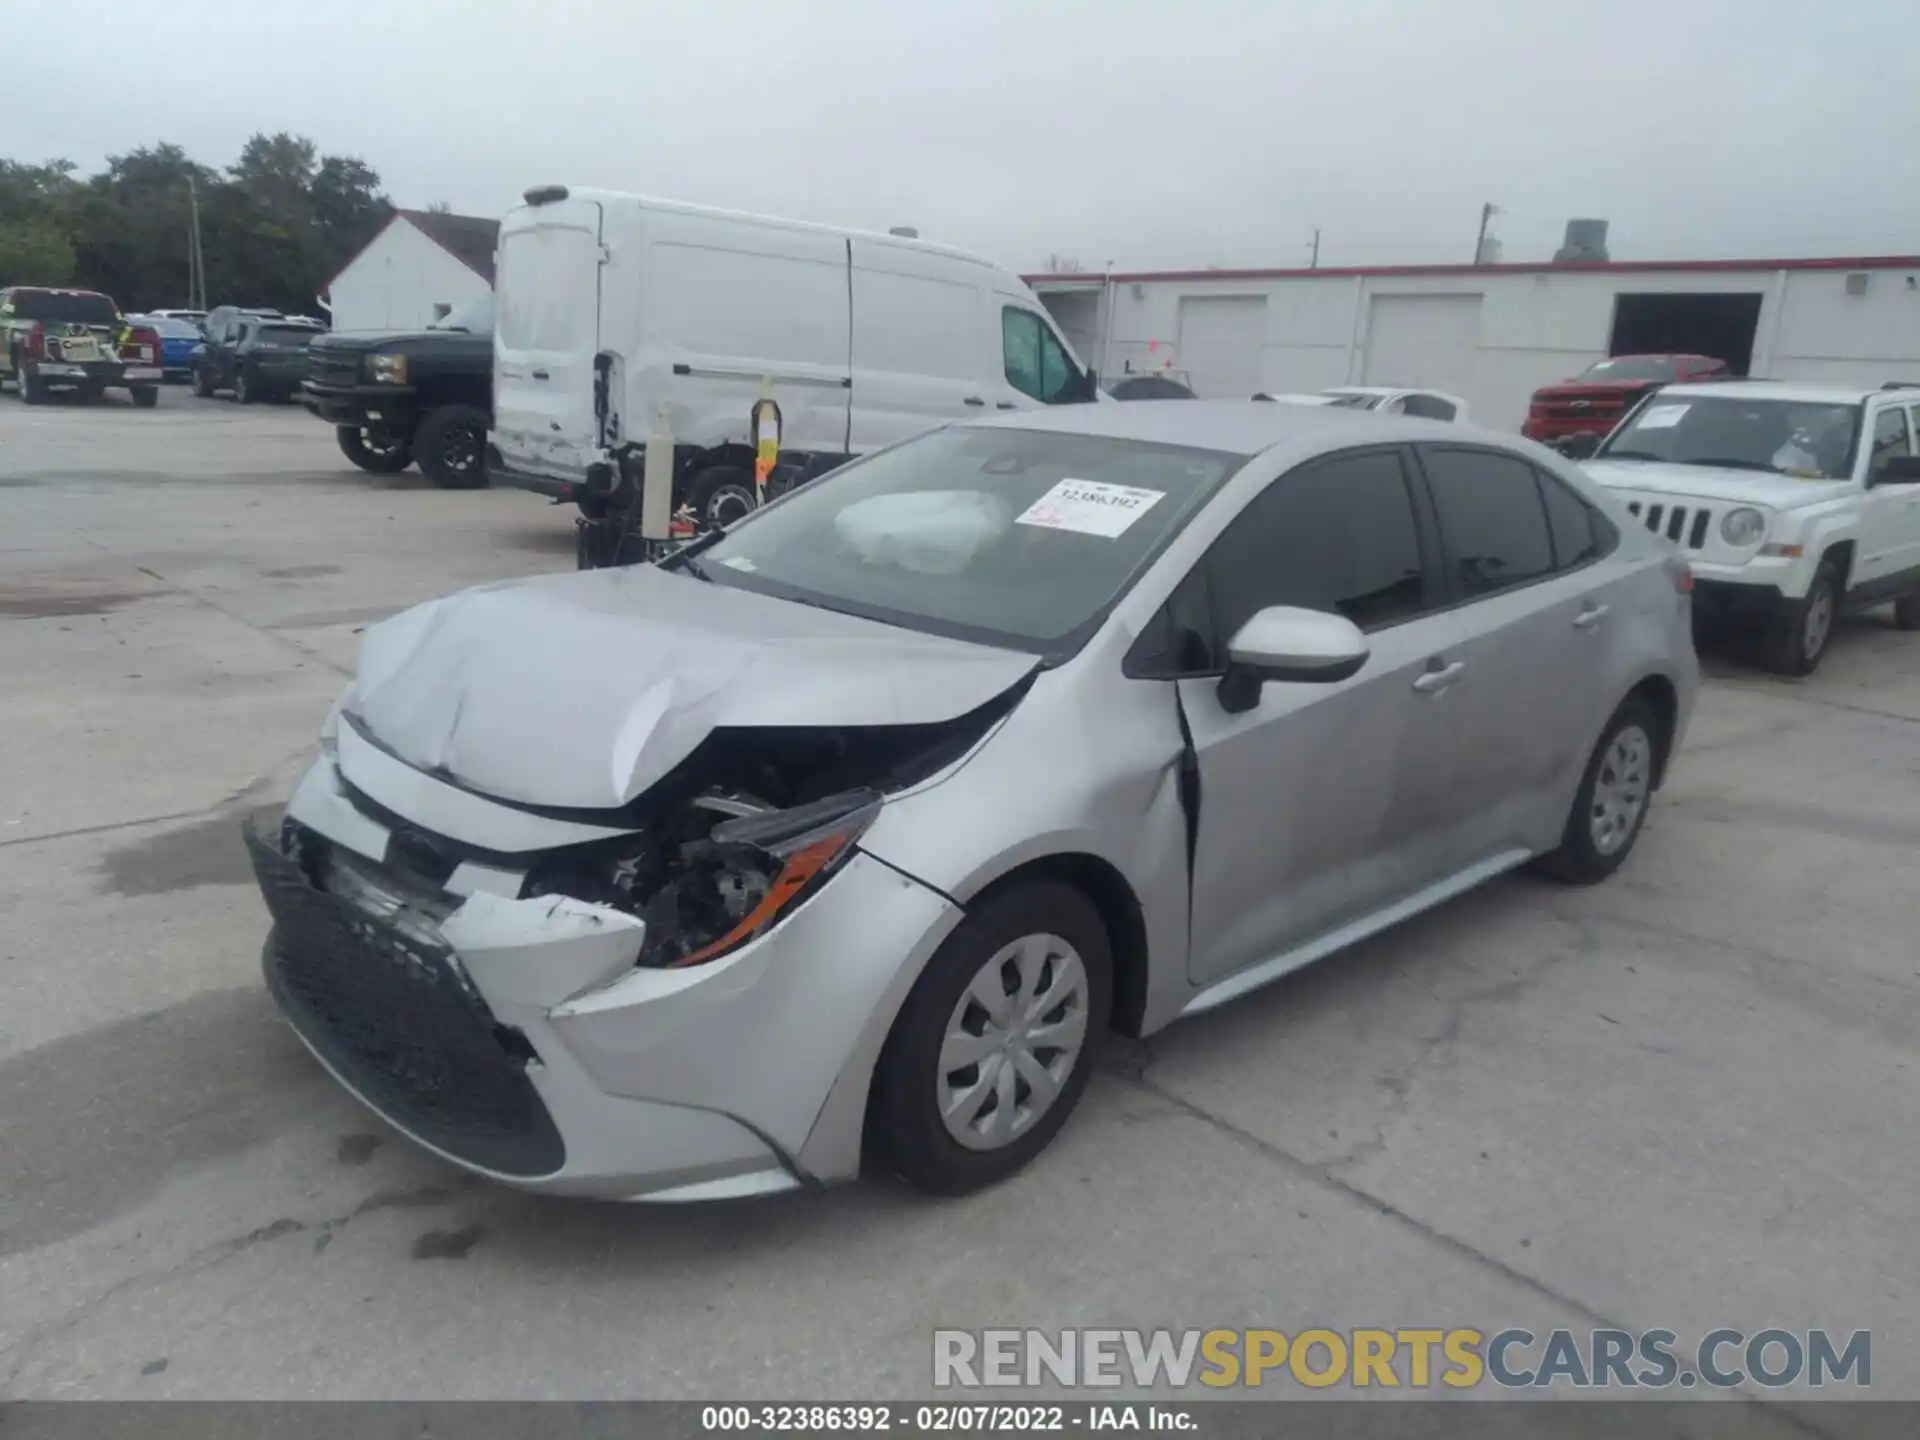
x: 419, y: 266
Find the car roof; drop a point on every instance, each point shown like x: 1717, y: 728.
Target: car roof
x: 1243, y: 427
x: 1776, y: 390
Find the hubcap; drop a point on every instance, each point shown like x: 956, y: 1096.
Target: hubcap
x: 1620, y: 789
x: 1012, y: 1042
x: 460, y: 448
x: 727, y: 506
x: 1819, y: 622
x: 378, y: 446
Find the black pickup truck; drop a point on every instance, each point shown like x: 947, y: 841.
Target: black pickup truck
x: 394, y: 398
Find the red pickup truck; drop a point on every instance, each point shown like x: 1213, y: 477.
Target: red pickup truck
x: 1592, y: 402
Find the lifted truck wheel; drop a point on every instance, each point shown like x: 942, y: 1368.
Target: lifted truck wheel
x: 452, y: 446
x: 388, y: 459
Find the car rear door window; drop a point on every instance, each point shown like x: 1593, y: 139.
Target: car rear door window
x: 1579, y: 535
x: 1493, y: 526
x: 1427, y: 407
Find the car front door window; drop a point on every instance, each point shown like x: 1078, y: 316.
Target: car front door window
x: 1890, y: 438
x: 1036, y: 363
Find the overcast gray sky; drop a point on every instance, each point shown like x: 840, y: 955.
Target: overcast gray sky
x: 1152, y: 133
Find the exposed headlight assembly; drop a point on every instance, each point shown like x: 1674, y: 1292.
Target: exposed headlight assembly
x: 1743, y: 526
x: 387, y: 369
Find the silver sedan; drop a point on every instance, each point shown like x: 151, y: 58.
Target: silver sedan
x: 852, y: 831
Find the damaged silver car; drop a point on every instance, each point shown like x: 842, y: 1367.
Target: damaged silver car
x: 850, y: 832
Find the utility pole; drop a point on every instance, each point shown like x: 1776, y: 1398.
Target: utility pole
x: 1480, y: 245
x: 1314, y: 263
x: 196, y: 260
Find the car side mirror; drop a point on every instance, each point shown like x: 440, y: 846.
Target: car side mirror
x: 1899, y: 470
x: 1283, y: 642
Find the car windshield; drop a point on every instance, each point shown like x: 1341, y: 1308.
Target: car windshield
x: 1016, y: 538
x: 64, y: 307
x: 475, y: 317
x: 1814, y: 440
x: 287, y: 334
x: 1634, y: 367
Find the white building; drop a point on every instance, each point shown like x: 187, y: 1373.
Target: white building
x: 1493, y: 333
x: 419, y: 266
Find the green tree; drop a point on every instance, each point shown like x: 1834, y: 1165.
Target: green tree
x: 35, y: 252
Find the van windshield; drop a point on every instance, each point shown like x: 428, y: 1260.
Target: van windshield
x: 1017, y: 538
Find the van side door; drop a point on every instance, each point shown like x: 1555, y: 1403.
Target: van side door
x: 919, y: 343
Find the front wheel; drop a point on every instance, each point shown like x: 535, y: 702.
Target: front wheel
x: 1798, y: 640
x: 996, y: 1042
x: 33, y: 389
x: 1611, y: 804
x: 388, y: 457
x: 1906, y: 611
x: 452, y: 445
x: 243, y: 391
x: 145, y: 397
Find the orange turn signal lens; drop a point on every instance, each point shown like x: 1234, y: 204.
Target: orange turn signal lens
x: 800, y: 869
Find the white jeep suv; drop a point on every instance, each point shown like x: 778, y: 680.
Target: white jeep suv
x: 1791, y: 502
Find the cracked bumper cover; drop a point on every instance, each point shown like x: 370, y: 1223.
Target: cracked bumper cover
x: 743, y: 1076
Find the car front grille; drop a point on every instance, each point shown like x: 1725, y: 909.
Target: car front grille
x: 1686, y: 526
x: 325, y: 367
x: 1595, y: 408
x: 393, y: 1015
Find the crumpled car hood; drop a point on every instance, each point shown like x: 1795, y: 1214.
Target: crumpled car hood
x: 582, y: 690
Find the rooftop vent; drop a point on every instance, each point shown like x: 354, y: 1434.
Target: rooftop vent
x: 1586, y: 240
x: 905, y: 232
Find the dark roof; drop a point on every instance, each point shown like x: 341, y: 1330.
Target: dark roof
x: 1094, y: 280
x: 467, y: 238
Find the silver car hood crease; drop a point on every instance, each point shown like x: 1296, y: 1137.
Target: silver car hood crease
x: 583, y: 690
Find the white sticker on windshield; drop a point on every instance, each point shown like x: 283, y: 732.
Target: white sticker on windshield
x: 1662, y: 417
x: 739, y: 562
x: 1090, y: 507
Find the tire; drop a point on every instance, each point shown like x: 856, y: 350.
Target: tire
x: 721, y: 496
x: 1618, y: 779
x: 33, y: 389
x: 1906, y: 611
x: 389, y: 461
x: 243, y: 391
x: 145, y: 397
x: 92, y: 390
x: 451, y: 445
x: 202, y: 383
x: 1801, y: 633
x: 906, y: 1129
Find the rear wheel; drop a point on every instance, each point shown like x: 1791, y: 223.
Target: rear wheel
x: 721, y: 496
x: 386, y: 457
x: 1611, y: 804
x: 1906, y: 611
x: 202, y: 383
x: 145, y: 396
x: 33, y: 389
x: 243, y: 388
x: 1798, y: 640
x: 452, y: 447
x: 995, y: 1044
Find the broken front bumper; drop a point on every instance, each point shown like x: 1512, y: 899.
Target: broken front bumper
x: 517, y: 1038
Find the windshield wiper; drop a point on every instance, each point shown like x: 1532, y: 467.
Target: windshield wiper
x: 1627, y: 455
x: 1729, y: 463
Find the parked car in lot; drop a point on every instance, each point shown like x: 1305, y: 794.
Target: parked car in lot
x: 74, y: 340
x: 179, y: 340
x: 1791, y: 502
x: 394, y: 397
x: 1153, y: 385
x: 192, y: 317
x: 1575, y: 414
x: 1387, y: 399
x: 617, y: 309
x: 257, y: 359
x: 703, y: 878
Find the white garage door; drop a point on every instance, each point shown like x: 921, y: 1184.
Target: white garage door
x: 1423, y: 340
x: 1221, y: 337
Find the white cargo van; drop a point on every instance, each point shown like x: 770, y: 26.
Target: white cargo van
x: 624, y: 319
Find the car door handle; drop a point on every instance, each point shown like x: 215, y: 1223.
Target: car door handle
x: 1435, y: 680
x: 541, y: 375
x: 1590, y: 617
x: 1008, y: 405
x: 973, y: 400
